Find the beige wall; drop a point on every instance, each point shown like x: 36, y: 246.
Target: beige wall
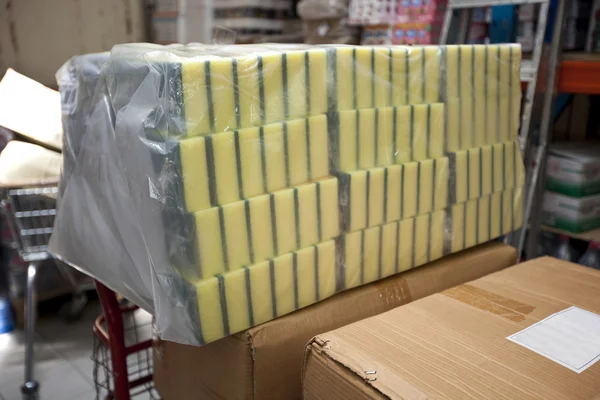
x: 38, y: 36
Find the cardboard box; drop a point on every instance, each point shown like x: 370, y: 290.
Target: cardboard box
x: 573, y: 214
x: 31, y: 109
x: 37, y: 37
x: 573, y: 169
x: 25, y: 164
x: 265, y: 362
x: 454, y: 344
x: 572, y: 123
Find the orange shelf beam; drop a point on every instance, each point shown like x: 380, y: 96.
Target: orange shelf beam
x: 580, y: 73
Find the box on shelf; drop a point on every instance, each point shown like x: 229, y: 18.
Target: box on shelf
x: 593, y: 36
x: 572, y: 123
x: 165, y: 29
x: 417, y: 11
x: 573, y: 214
x: 528, y: 12
x: 526, y: 35
x: 573, y: 168
x: 416, y: 32
x: 166, y: 8
x: 456, y: 344
x: 330, y: 30
x: 265, y: 361
x: 377, y: 35
x: 175, y: 21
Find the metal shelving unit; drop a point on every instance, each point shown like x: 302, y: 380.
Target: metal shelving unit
x: 588, y: 236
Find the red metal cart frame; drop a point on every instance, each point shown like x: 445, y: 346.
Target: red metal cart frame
x: 109, y: 328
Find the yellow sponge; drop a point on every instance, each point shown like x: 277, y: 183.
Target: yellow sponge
x: 366, y: 77
x: 379, y: 195
x: 375, y: 253
x: 228, y: 93
x: 230, y: 166
x: 485, y: 218
x: 482, y: 94
x: 240, y: 299
x: 484, y: 170
x: 383, y: 136
x: 400, y: 81
x: 233, y: 301
x: 246, y: 232
x: 238, y: 87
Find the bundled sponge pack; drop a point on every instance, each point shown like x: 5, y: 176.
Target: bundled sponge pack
x: 241, y: 183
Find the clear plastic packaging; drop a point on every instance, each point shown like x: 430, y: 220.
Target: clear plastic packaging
x: 220, y: 187
x: 77, y: 80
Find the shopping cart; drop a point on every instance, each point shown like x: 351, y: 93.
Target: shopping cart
x: 30, y: 214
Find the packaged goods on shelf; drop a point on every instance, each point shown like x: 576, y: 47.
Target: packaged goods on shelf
x: 317, y: 9
x: 330, y: 31
x: 225, y: 186
x: 418, y: 33
x: 368, y: 12
x: 573, y: 214
x: 573, y: 168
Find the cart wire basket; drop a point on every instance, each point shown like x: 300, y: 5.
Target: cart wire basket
x: 122, y: 355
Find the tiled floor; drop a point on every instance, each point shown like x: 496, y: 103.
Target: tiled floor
x: 63, y: 363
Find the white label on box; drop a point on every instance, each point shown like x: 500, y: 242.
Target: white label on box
x: 570, y: 337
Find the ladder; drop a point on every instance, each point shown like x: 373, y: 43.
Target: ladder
x: 534, y: 154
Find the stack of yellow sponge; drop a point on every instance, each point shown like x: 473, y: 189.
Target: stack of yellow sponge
x: 434, y: 166
x: 294, y: 172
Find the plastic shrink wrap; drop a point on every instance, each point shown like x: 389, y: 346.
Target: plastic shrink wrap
x: 220, y: 187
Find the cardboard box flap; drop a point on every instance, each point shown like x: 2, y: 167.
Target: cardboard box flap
x: 31, y: 109
x: 25, y: 164
x: 453, y: 344
x: 190, y: 372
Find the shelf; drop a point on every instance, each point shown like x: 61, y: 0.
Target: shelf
x: 488, y: 3
x: 592, y: 235
x: 580, y: 73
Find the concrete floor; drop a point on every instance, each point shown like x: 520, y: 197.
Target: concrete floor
x: 63, y: 357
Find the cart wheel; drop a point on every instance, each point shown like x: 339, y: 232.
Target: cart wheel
x: 30, y: 390
x: 73, y: 310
